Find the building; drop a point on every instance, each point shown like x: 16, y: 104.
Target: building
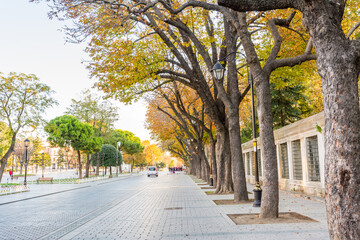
x: 300, y: 157
x: 54, y: 154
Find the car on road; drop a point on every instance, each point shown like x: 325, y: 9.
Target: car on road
x: 152, y: 170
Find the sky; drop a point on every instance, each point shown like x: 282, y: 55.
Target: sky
x: 31, y: 43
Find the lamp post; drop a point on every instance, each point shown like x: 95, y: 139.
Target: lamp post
x: 211, y: 175
x: 218, y: 71
x: 26, y: 143
x: 43, y: 164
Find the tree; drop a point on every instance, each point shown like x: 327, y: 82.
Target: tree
x: 288, y: 103
x: 68, y: 129
x: 159, y: 58
x: 130, y: 144
x: 94, y: 145
x: 61, y: 160
x: 35, y: 151
x: 23, y: 98
x: 152, y: 153
x: 93, y: 110
x: 338, y: 65
x: 182, y: 107
x: 161, y: 165
x: 100, y: 114
x: 108, y: 156
x: 5, y: 138
x: 38, y: 160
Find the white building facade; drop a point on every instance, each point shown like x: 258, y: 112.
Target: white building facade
x: 300, y: 156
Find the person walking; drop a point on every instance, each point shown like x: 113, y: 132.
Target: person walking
x: 11, y: 174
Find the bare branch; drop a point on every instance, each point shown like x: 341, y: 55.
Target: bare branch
x: 156, y: 87
x: 276, y: 35
x: 353, y: 30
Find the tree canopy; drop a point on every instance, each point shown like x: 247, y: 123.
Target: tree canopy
x: 129, y: 143
x: 67, y: 129
x: 23, y: 100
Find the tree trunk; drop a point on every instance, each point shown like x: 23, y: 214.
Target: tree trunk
x: 87, y: 165
x: 204, y: 168
x: 204, y: 164
x: 338, y: 65
x: 110, y: 170
x: 231, y: 100
x: 198, y: 166
x: 192, y: 167
x: 223, y: 160
x: 238, y: 170
x: 270, y: 194
x: 97, y: 164
x: 79, y: 164
x: 213, y: 172
x: 5, y: 158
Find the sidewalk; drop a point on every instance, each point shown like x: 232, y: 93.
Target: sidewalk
x: 174, y: 207
x: 169, y: 207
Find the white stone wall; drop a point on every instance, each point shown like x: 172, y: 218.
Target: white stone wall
x: 300, y: 130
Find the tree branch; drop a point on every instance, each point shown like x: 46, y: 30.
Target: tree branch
x: 353, y: 30
x: 257, y: 5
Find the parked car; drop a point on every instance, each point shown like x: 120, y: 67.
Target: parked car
x: 152, y: 170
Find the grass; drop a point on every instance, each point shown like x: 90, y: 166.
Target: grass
x: 62, y: 180
x: 9, y: 184
x: 23, y: 175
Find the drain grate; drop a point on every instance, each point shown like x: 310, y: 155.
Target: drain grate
x: 173, y: 208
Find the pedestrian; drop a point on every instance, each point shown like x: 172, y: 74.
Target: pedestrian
x: 11, y: 174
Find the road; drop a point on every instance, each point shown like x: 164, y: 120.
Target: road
x: 138, y: 207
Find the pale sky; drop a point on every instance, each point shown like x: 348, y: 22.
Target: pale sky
x: 31, y: 43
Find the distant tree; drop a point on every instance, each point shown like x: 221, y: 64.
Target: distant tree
x: 60, y: 161
x: 68, y: 129
x: 107, y: 156
x: 92, y: 109
x: 161, y: 165
x: 98, y: 113
x: 23, y: 98
x: 152, y: 152
x: 172, y: 164
x: 130, y: 144
x: 35, y: 150
x: 94, y: 145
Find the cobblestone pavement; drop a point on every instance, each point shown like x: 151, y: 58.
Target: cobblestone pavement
x: 167, y: 207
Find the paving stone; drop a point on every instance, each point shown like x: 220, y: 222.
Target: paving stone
x: 169, y: 207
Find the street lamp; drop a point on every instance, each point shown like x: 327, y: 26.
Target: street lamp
x: 218, y: 71
x: 43, y: 166
x: 26, y: 143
